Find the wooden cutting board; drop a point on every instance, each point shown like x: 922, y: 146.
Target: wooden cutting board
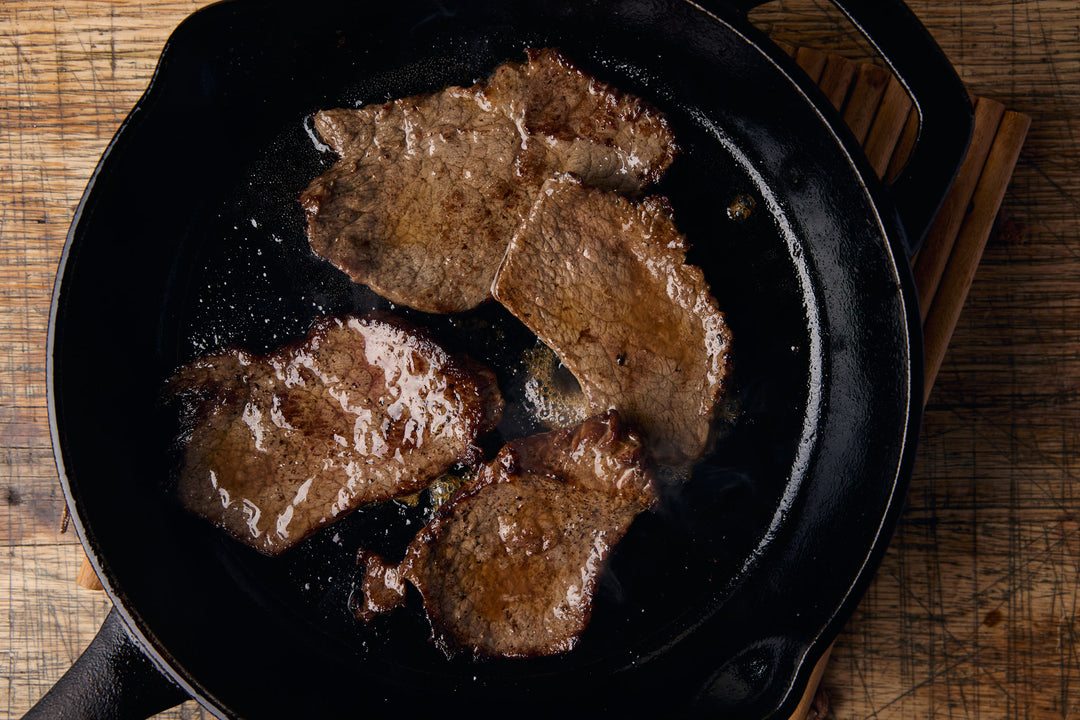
x: 68, y: 76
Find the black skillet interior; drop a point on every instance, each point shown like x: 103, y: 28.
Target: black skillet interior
x: 190, y: 238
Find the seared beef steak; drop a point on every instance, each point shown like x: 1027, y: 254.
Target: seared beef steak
x: 604, y: 282
x: 423, y: 201
x: 429, y: 189
x: 363, y: 409
x: 508, y: 565
x: 580, y: 125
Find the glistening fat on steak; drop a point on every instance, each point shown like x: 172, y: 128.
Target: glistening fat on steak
x: 508, y: 565
x: 429, y: 189
x: 604, y: 282
x: 364, y: 409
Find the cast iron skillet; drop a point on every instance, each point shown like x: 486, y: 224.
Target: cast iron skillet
x: 189, y: 238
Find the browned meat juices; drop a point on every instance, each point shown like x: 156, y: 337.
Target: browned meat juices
x: 508, y: 565
x: 364, y: 409
x: 429, y: 189
x: 603, y: 281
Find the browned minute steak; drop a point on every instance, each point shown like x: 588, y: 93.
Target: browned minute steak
x: 509, y: 564
x: 362, y: 410
x: 429, y: 189
x: 604, y: 282
x: 423, y: 200
x: 580, y: 125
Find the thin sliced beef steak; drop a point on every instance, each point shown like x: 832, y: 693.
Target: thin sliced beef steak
x: 603, y: 281
x: 362, y: 410
x: 429, y: 189
x: 418, y: 210
x: 586, y: 127
x: 509, y: 564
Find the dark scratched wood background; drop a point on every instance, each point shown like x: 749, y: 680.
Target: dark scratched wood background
x: 973, y: 613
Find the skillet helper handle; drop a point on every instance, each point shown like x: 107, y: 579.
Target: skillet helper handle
x: 111, y: 680
x: 946, y: 117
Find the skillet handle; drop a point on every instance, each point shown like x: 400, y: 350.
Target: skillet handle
x: 944, y: 107
x: 111, y: 680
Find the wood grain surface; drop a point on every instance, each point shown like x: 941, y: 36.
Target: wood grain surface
x: 973, y: 614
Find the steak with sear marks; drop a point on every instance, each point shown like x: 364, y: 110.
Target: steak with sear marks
x: 604, y: 282
x: 363, y: 409
x: 508, y: 565
x: 429, y: 189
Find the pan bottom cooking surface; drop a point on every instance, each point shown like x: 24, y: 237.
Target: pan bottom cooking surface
x: 191, y: 239
x: 253, y: 282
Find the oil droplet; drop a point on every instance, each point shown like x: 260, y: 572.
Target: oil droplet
x: 741, y: 207
x: 445, y: 486
x: 552, y: 394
